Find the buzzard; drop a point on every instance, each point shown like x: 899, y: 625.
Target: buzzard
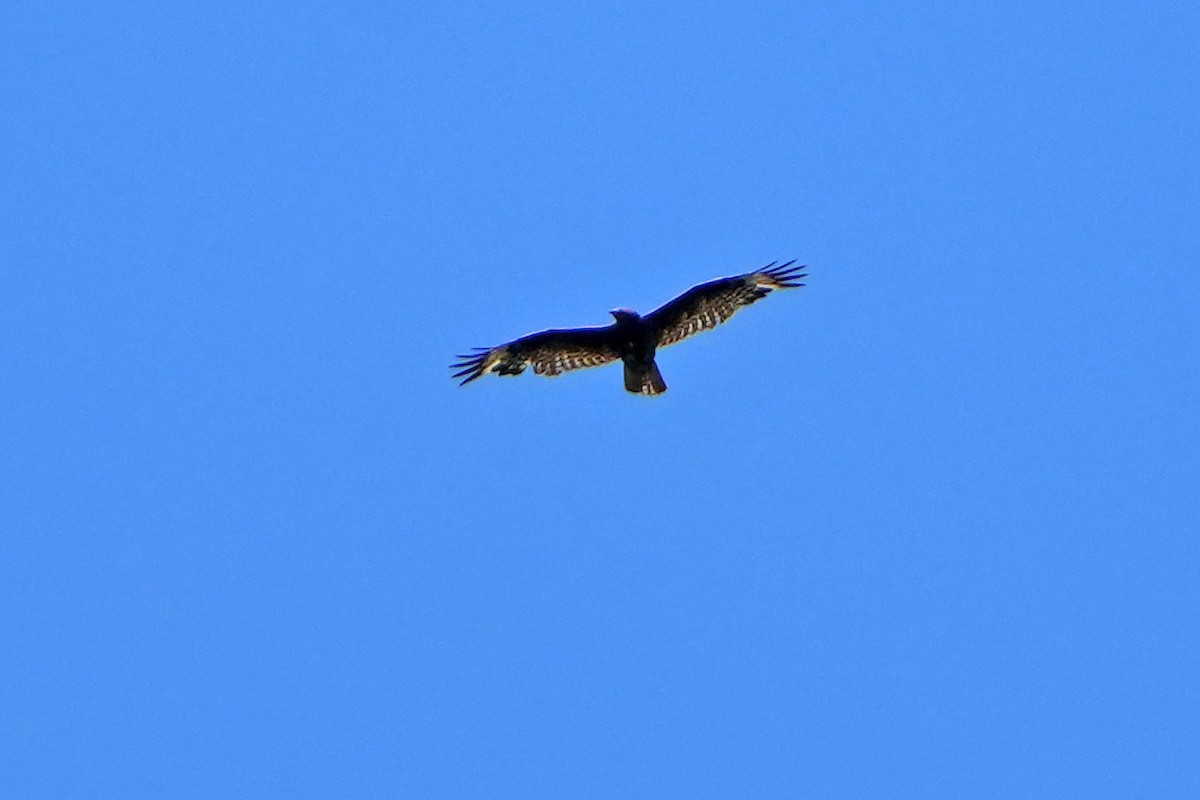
x: 632, y: 338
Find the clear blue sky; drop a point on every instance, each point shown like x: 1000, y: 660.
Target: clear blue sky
x: 926, y: 528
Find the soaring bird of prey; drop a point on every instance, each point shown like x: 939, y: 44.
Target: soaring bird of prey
x: 632, y: 338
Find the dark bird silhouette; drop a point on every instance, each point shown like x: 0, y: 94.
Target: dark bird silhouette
x: 632, y: 338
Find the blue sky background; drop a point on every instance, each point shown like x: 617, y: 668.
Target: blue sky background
x: 926, y: 528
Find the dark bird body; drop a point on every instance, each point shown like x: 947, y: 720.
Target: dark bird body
x: 637, y: 340
x: 632, y: 338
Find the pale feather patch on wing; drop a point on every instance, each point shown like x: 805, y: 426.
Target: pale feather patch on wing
x: 550, y: 353
x: 482, y: 361
x: 785, y: 276
x: 708, y: 305
x: 552, y: 361
x: 707, y: 315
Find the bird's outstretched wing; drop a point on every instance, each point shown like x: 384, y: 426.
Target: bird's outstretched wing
x: 708, y: 305
x: 549, y: 352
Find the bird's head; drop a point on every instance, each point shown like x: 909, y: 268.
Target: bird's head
x: 625, y: 315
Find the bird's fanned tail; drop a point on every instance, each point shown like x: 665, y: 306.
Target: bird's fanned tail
x: 644, y: 379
